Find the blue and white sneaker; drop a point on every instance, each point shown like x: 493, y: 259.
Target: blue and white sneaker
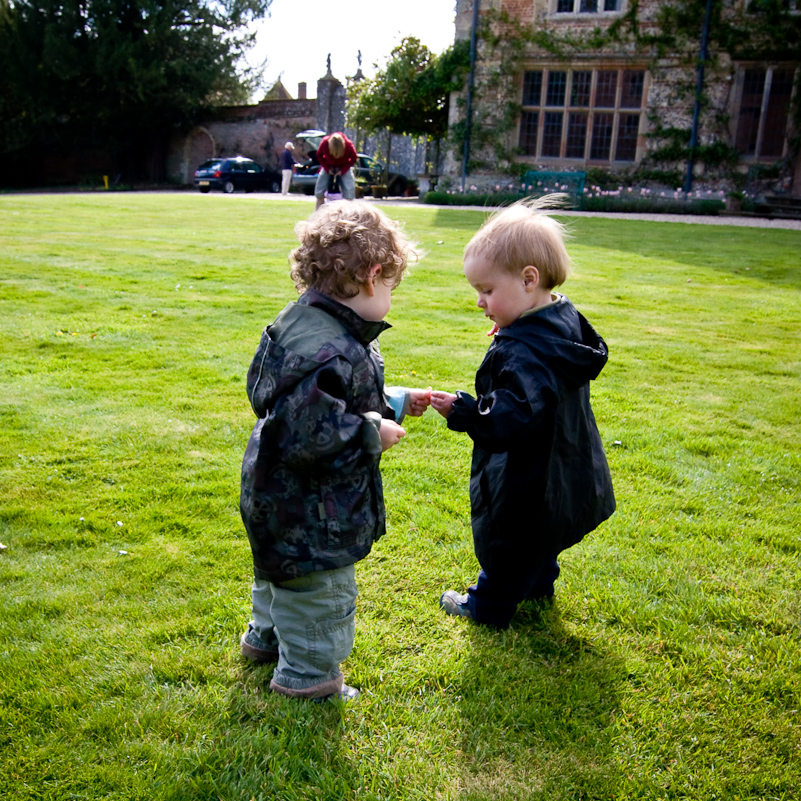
x: 454, y: 604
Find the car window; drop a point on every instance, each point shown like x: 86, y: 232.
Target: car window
x: 211, y: 164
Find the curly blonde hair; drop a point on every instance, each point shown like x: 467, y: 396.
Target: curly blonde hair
x: 339, y: 244
x: 521, y: 235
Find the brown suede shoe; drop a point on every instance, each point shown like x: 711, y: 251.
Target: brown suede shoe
x: 255, y: 653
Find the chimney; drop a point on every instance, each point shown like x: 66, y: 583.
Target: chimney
x: 301, y: 91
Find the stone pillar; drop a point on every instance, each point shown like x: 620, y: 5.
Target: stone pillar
x: 331, y: 98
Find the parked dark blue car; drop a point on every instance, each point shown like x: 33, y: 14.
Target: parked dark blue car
x: 230, y: 174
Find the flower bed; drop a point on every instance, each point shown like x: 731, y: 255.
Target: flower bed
x: 643, y: 200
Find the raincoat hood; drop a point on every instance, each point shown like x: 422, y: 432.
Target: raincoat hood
x: 300, y: 327
x: 564, y: 338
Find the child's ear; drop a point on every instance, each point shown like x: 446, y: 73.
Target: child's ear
x: 369, y: 285
x: 531, y: 277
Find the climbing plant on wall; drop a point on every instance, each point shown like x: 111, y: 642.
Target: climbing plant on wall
x: 763, y: 30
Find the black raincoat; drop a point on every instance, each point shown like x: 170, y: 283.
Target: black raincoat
x: 539, y: 479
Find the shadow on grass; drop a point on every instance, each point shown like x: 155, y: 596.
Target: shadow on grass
x: 537, y: 704
x: 769, y: 255
x: 275, y: 747
x: 468, y: 220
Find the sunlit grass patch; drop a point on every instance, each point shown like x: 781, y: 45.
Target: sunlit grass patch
x: 667, y: 666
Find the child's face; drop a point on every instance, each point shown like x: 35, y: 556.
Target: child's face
x: 502, y: 295
x: 381, y: 301
x: 375, y: 297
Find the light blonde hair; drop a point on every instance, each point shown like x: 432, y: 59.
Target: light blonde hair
x: 522, y: 235
x: 339, y: 244
x: 336, y: 145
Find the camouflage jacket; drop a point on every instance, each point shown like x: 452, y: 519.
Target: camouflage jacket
x: 311, y: 494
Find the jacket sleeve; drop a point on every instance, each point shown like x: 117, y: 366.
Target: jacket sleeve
x: 397, y: 401
x: 313, y: 430
x: 520, y: 404
x: 322, y: 155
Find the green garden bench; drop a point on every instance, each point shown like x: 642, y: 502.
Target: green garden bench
x: 543, y: 182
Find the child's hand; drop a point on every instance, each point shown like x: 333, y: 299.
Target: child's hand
x: 391, y: 434
x: 442, y: 402
x: 418, y: 401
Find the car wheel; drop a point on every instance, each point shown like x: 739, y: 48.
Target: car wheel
x: 274, y: 186
x: 204, y: 189
x: 228, y: 187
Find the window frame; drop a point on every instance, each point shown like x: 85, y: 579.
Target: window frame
x: 577, y: 115
x: 554, y: 12
x: 742, y: 68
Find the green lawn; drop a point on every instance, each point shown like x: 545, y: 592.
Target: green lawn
x: 669, y: 666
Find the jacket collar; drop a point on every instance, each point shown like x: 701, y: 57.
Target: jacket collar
x: 365, y: 331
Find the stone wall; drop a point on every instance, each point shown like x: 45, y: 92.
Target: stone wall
x: 258, y: 132
x: 414, y: 158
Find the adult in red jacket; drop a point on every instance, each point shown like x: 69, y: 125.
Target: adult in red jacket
x: 337, y: 155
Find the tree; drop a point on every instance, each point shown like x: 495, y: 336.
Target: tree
x: 118, y: 74
x: 410, y: 95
